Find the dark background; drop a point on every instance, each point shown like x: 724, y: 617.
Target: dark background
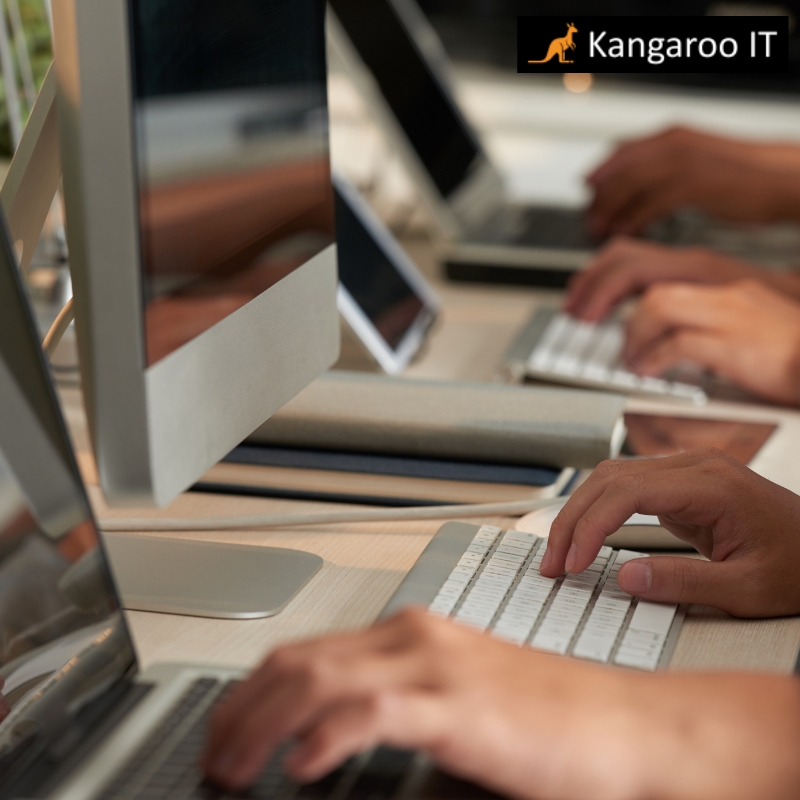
x: 485, y: 31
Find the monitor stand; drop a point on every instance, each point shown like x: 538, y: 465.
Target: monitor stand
x: 206, y: 579
x: 169, y: 575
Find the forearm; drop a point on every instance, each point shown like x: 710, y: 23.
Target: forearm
x: 709, y: 736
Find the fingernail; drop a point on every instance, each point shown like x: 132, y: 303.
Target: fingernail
x: 546, y: 559
x: 572, y: 557
x: 635, y: 577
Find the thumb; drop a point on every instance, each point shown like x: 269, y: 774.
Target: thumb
x: 681, y: 580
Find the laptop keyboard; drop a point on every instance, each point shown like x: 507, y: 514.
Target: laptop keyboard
x: 555, y: 227
x: 586, y: 354
x: 166, y: 766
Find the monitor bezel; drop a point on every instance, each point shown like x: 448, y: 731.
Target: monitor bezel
x: 148, y: 448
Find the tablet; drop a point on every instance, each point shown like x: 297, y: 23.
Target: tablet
x: 663, y: 435
x: 383, y: 296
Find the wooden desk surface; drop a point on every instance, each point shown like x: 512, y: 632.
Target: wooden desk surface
x: 364, y: 563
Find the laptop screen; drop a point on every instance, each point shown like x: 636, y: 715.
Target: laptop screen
x: 63, y: 640
x: 423, y: 107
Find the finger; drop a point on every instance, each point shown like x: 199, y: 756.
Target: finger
x: 667, y: 579
x: 377, y: 638
x: 644, y: 148
x: 342, y: 732
x: 667, y: 307
x: 628, y: 155
x: 658, y: 486
x: 628, y: 277
x: 408, y: 720
x: 627, y: 187
x: 709, y: 350
x: 648, y: 207
x: 562, y: 530
x: 305, y: 692
x: 584, y: 283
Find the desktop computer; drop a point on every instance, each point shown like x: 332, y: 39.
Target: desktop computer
x: 200, y: 221
x: 200, y: 225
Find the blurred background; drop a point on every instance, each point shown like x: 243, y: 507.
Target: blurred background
x: 545, y: 132
x: 484, y: 31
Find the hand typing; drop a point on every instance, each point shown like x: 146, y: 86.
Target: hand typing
x: 521, y: 723
x: 744, y: 524
x: 647, y: 178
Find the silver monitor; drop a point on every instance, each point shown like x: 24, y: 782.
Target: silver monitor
x: 200, y: 224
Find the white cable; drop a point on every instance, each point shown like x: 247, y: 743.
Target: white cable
x: 58, y: 328
x: 257, y: 521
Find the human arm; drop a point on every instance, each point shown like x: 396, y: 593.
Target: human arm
x: 647, y: 178
x: 743, y: 331
x: 522, y: 723
x: 626, y: 267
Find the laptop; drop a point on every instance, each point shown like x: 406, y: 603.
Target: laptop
x: 79, y: 720
x: 398, y: 63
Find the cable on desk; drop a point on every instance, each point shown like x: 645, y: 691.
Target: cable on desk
x: 256, y: 521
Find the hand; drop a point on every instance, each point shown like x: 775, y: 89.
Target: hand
x: 743, y: 331
x: 646, y: 179
x: 519, y: 722
x: 744, y: 524
x: 625, y: 267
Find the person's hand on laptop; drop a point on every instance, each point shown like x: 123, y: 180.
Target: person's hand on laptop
x: 745, y: 525
x: 744, y: 332
x: 519, y: 722
x: 626, y: 267
x: 646, y: 179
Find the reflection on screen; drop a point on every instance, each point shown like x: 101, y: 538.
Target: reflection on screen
x: 381, y: 292
x: 425, y: 112
x: 62, y: 639
x: 232, y: 142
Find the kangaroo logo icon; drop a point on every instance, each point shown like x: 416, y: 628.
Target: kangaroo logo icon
x: 560, y: 47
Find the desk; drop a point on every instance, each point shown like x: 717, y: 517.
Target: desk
x: 364, y: 563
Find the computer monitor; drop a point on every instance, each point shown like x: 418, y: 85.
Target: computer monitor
x: 200, y: 224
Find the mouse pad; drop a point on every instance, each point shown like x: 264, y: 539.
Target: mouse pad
x: 660, y: 435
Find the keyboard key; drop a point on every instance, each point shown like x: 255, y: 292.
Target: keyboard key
x: 653, y: 617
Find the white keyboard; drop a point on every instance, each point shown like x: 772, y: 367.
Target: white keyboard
x: 567, y: 350
x: 489, y: 579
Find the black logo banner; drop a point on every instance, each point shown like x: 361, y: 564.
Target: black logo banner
x: 652, y: 44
